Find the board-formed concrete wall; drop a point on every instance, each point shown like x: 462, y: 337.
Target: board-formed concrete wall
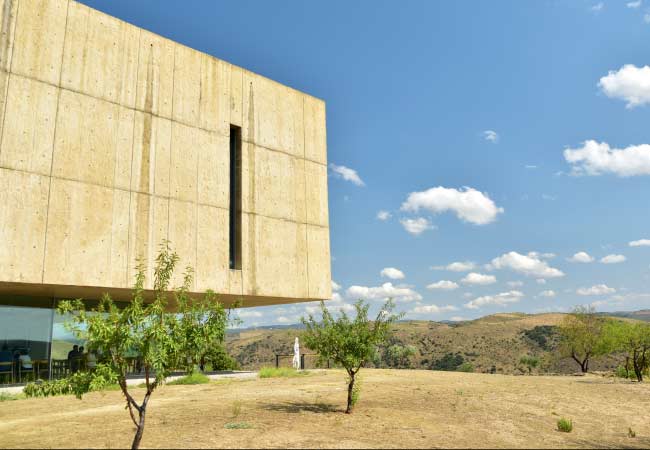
x: 113, y: 139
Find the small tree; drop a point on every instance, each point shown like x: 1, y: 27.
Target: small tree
x: 350, y: 343
x: 581, y: 336
x: 530, y: 362
x: 163, y: 341
x: 634, y: 340
x: 201, y: 326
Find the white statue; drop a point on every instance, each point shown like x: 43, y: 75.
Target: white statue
x: 296, y: 355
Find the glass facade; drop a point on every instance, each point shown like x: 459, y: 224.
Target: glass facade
x: 34, y: 342
x: 25, y: 338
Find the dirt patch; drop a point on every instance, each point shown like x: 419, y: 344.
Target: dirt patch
x: 399, y: 409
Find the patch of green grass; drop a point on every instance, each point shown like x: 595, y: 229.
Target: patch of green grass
x: 281, y: 372
x: 195, y: 378
x: 7, y: 397
x: 565, y: 425
x: 238, y: 426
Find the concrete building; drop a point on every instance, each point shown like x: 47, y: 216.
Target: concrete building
x: 113, y: 139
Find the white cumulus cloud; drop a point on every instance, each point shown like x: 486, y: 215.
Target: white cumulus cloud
x: 479, y: 279
x: 629, y: 83
x: 347, y: 174
x: 633, y: 5
x: 467, y: 203
x: 444, y: 285
x: 385, y: 291
x: 500, y: 299
x: 640, y: 243
x: 612, y: 259
x: 598, y: 158
x: 581, y: 257
x: 530, y: 265
x: 549, y: 294
x: 392, y: 273
x: 599, y: 289
x: 458, y: 266
x: 432, y: 309
x: 383, y: 215
x: 416, y: 226
x: 514, y: 284
x: 491, y: 136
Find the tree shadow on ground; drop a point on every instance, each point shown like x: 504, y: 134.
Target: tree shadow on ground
x: 297, y: 407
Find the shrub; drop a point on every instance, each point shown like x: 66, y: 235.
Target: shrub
x: 219, y: 359
x: 194, y: 378
x: 465, y: 367
x: 78, y: 384
x: 631, y: 433
x: 565, y: 425
x: 449, y: 362
x: 281, y: 372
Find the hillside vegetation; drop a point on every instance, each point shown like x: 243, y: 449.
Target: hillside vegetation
x: 491, y: 344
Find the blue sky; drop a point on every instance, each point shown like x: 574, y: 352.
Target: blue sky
x: 521, y: 127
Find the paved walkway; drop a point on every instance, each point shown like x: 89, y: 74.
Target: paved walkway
x: 136, y: 379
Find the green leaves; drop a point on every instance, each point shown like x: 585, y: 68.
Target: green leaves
x: 349, y: 342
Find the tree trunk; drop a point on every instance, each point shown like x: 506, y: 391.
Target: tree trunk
x: 140, y: 428
x: 638, y: 368
x: 350, y: 388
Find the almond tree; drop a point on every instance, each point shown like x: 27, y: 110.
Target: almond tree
x: 163, y: 341
x: 349, y: 343
x: 582, y: 336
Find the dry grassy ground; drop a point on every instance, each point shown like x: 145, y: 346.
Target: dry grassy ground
x: 397, y: 409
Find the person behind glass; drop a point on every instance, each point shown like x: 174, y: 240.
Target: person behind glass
x: 81, y: 360
x: 73, y: 358
x: 25, y: 361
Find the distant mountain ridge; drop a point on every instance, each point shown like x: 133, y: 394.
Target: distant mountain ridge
x: 493, y: 343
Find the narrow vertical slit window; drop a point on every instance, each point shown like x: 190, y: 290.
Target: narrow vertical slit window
x: 235, y: 198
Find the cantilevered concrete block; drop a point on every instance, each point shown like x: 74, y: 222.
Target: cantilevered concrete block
x: 152, y: 138
x: 187, y: 85
x: 318, y: 247
x: 148, y: 229
x: 213, y: 169
x: 31, y: 110
x: 214, y: 106
x: 38, y: 43
x: 212, y: 255
x: 114, y: 139
x: 316, y: 188
x: 155, y: 83
x: 182, y: 235
x: 273, y: 115
x: 100, y: 57
x: 315, y: 130
x: 8, y: 13
x: 184, y: 162
x: 79, y: 233
x: 277, y: 181
x: 86, y: 146
x: 23, y: 216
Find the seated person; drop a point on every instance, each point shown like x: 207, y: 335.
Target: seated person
x: 25, y: 361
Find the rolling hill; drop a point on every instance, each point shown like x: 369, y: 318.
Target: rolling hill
x: 491, y: 344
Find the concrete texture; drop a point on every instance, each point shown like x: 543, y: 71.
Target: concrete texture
x: 113, y: 139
